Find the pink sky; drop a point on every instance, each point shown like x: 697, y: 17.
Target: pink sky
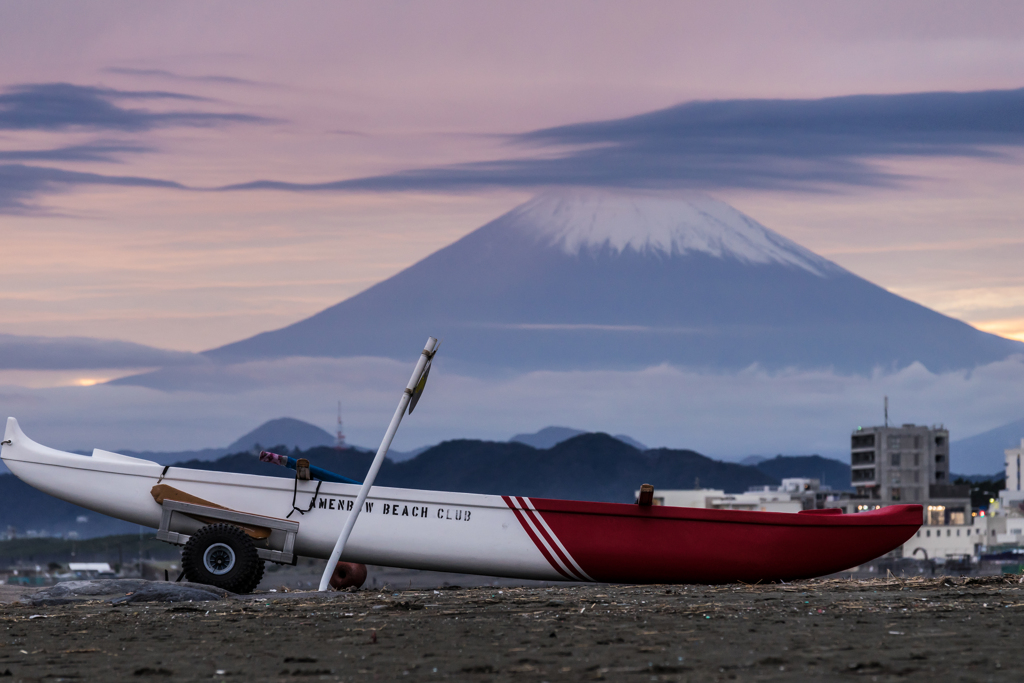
x: 355, y: 89
x: 369, y: 88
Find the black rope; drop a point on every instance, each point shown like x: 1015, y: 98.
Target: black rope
x: 167, y: 467
x: 295, y: 493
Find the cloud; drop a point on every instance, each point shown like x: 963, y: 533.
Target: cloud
x: 20, y: 183
x: 90, y: 151
x: 172, y: 76
x: 65, y: 106
x: 724, y: 414
x: 780, y: 144
x: 809, y: 145
x: 60, y: 106
x: 84, y: 353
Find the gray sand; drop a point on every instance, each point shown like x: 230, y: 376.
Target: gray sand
x: 885, y: 630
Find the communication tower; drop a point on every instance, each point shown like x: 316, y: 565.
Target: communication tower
x: 340, y: 446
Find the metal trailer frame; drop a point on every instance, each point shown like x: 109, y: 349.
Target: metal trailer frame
x: 285, y: 555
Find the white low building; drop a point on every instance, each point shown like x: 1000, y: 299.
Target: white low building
x: 1005, y: 529
x: 1011, y: 498
x: 762, y: 501
x: 938, y: 542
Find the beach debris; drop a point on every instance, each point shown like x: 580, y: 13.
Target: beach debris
x: 67, y: 591
x: 124, y: 590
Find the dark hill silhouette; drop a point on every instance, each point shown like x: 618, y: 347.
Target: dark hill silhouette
x: 286, y: 430
x: 831, y: 472
x: 27, y: 509
x: 585, y: 467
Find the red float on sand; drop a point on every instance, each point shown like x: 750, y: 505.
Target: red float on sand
x: 348, y: 575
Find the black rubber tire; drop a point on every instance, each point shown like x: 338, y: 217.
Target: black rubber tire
x: 234, y: 564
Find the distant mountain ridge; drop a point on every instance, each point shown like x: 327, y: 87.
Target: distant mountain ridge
x: 591, y: 466
x: 552, y: 436
x: 283, y: 431
x: 587, y: 279
x: 829, y: 472
x: 985, y: 450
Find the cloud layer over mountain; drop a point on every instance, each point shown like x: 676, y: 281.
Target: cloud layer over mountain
x: 82, y: 353
x: 60, y: 106
x: 779, y: 144
x: 806, y: 145
x: 724, y: 415
x: 68, y: 108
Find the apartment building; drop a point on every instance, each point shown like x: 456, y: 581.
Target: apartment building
x: 907, y: 464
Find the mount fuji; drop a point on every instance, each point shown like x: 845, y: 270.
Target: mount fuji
x: 585, y: 279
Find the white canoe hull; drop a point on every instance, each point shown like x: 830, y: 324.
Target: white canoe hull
x: 436, y: 530
x: 510, y: 536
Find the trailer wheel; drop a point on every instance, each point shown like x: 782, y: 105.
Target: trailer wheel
x: 224, y: 556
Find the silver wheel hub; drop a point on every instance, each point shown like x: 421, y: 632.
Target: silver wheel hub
x: 219, y: 559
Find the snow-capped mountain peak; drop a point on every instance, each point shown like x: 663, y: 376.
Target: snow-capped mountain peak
x: 577, y: 220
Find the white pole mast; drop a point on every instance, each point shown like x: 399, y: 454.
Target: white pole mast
x: 378, y: 460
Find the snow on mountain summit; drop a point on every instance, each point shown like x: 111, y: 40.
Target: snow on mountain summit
x: 656, y: 222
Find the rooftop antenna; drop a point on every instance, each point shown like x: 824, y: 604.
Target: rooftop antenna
x: 886, y: 411
x: 340, y: 446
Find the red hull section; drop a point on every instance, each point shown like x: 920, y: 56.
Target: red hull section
x: 654, y: 544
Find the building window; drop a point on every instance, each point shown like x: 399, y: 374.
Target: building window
x: 940, y: 458
x: 864, y: 474
x: 940, y: 475
x: 895, y: 494
x: 928, y: 533
x: 865, y: 458
x: 892, y: 441
x: 936, y: 515
x: 917, y: 459
x: 863, y: 441
x: 940, y: 441
x: 895, y: 459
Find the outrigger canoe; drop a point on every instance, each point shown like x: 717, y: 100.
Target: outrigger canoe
x: 510, y: 536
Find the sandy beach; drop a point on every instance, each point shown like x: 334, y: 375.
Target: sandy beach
x: 897, y: 629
